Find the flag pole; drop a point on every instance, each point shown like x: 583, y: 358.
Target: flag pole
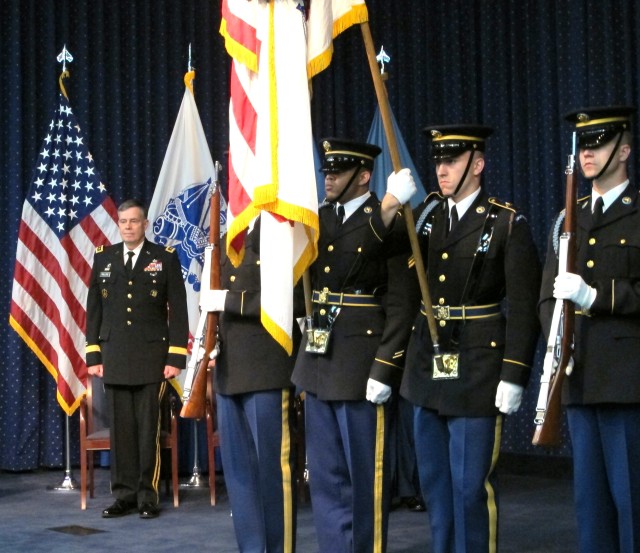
x: 196, y: 480
x: 68, y: 483
x: 387, y: 122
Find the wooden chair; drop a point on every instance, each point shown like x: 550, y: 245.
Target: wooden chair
x: 94, y: 436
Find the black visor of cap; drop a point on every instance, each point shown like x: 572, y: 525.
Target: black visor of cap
x: 453, y: 148
x: 598, y: 125
x: 595, y: 137
x: 450, y: 141
x: 341, y: 163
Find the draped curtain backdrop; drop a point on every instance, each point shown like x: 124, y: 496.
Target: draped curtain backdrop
x: 517, y: 66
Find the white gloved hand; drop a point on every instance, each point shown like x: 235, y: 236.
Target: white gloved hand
x: 569, y: 368
x: 401, y: 185
x: 508, y: 397
x: 213, y: 300
x: 215, y: 352
x: 569, y: 286
x: 377, y: 392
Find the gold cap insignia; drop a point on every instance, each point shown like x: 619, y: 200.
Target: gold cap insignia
x: 326, y: 145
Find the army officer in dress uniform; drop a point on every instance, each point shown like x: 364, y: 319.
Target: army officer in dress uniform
x: 602, y: 393
x: 348, y: 362
x: 254, y: 398
x: 137, y: 332
x: 484, y: 277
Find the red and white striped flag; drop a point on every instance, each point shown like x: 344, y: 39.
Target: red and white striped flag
x: 66, y: 214
x: 271, y: 168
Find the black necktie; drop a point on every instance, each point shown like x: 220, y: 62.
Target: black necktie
x: 129, y: 264
x: 598, y: 207
x: 339, y: 216
x: 453, y: 218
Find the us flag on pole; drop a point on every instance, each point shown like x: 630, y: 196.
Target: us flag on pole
x: 66, y: 214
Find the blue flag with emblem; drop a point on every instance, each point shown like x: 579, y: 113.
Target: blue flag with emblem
x: 384, y: 166
x: 179, y: 209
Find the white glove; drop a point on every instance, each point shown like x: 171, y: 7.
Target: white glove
x: 508, y: 397
x: 215, y: 352
x: 569, y: 368
x: 377, y: 392
x: 213, y: 300
x: 401, y: 185
x: 569, y: 286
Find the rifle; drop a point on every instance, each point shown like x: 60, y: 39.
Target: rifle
x: 560, y: 344
x: 194, y: 396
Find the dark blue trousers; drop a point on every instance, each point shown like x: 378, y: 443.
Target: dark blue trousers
x: 135, y: 441
x: 456, y: 461
x: 258, y: 464
x: 606, y: 473
x: 349, y: 480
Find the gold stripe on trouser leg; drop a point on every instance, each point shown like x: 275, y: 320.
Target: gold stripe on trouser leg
x: 491, y: 494
x: 378, y: 480
x: 285, y: 466
x: 156, y: 471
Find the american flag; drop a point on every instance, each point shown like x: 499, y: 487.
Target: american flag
x: 66, y: 214
x: 276, y: 47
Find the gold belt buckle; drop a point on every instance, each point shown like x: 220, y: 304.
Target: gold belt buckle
x: 322, y: 296
x: 443, y: 313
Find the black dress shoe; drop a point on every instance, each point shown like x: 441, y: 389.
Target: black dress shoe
x: 119, y: 509
x: 415, y: 504
x: 149, y: 510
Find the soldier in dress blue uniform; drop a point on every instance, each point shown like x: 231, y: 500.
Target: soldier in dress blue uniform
x: 350, y: 358
x: 254, y: 397
x: 484, y: 278
x: 602, y: 392
x: 135, y: 346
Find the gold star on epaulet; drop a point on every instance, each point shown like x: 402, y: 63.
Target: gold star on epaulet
x: 503, y: 205
x: 170, y: 249
x: 99, y: 249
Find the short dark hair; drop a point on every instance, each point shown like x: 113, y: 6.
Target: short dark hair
x: 128, y: 204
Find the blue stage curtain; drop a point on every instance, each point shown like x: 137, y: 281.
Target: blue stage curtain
x: 517, y: 66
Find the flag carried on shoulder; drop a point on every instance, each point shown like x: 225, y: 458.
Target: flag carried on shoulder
x: 67, y: 213
x: 271, y: 169
x: 179, y: 209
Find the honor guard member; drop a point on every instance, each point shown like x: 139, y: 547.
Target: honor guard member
x: 484, y: 278
x: 254, y: 397
x: 137, y: 331
x: 602, y: 392
x: 348, y: 362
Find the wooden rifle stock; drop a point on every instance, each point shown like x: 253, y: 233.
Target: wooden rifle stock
x: 194, y: 407
x: 548, y: 422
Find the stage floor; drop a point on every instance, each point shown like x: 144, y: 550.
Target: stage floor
x: 536, y: 512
